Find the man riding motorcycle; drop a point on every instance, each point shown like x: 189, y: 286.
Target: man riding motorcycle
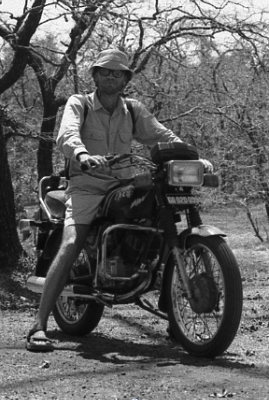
x: 108, y: 128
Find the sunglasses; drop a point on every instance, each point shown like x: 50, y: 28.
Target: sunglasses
x: 107, y: 72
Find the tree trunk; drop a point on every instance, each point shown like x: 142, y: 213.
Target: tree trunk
x: 45, y: 148
x: 10, y: 247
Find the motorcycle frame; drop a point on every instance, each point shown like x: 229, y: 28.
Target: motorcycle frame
x: 177, y: 248
x: 105, y: 238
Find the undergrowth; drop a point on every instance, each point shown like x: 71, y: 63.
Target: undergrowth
x: 13, y: 291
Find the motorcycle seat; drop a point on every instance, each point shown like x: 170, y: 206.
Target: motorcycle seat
x: 55, y: 200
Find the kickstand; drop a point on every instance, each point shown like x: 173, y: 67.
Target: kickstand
x: 150, y: 308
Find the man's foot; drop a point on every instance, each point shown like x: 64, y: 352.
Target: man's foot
x: 38, y: 341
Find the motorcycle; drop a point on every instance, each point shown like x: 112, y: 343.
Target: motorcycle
x: 137, y: 246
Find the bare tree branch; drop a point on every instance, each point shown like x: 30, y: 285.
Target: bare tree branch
x: 22, y: 38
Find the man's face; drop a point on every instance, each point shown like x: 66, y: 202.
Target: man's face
x: 110, y: 81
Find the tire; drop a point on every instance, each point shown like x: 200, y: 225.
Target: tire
x: 75, y: 317
x: 206, y: 325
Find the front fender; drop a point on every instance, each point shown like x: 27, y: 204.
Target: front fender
x: 201, y: 230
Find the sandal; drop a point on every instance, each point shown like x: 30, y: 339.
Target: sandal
x: 38, y: 341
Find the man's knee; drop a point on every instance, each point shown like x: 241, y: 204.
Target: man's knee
x: 74, y: 237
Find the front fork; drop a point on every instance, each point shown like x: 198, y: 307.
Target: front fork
x: 176, y: 241
x: 179, y: 261
x: 171, y: 237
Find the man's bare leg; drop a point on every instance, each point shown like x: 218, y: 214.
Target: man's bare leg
x: 74, y: 237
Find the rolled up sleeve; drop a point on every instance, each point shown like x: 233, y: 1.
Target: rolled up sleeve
x: 69, y: 139
x: 149, y: 131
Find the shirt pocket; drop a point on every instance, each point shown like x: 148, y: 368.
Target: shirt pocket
x: 93, y: 134
x: 95, y: 142
x: 125, y: 137
x: 123, y: 142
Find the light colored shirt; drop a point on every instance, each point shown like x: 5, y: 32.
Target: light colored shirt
x: 101, y: 133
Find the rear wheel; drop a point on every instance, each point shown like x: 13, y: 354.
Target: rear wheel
x: 73, y: 315
x: 76, y: 318
x: 206, y: 325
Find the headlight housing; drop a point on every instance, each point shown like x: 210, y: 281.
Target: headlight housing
x: 185, y: 173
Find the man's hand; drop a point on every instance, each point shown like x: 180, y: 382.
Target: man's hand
x: 207, y: 165
x: 92, y: 161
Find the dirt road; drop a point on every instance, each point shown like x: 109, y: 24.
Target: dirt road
x: 129, y: 357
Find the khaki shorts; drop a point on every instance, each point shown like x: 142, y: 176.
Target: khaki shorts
x: 85, y: 195
x: 81, y: 208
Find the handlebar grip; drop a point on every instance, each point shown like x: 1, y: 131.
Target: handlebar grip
x: 211, y: 180
x: 110, y: 157
x: 85, y: 167
x: 111, y: 160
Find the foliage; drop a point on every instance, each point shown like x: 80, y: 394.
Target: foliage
x: 200, y: 68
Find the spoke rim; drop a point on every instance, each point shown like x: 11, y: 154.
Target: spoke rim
x: 198, y: 328
x: 69, y: 308
x: 70, y: 311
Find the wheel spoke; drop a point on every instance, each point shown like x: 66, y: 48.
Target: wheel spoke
x: 199, y: 327
x: 206, y: 323
x: 70, y: 311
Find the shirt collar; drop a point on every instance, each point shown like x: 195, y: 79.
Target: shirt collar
x: 123, y: 105
x: 97, y: 104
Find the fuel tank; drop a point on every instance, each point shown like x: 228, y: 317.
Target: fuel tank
x: 129, y: 202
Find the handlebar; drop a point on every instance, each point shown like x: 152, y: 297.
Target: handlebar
x: 110, y: 158
x: 210, y: 180
x: 120, y: 158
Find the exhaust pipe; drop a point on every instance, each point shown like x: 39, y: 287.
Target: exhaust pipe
x: 36, y: 284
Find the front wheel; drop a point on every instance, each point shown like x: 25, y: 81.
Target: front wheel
x: 206, y: 325
x: 74, y: 316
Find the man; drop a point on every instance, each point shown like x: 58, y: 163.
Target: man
x: 86, y: 139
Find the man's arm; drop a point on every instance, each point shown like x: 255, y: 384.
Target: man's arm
x: 69, y: 139
x: 148, y: 130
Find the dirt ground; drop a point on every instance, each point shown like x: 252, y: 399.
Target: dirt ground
x: 129, y: 355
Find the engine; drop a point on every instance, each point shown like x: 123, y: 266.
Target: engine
x: 130, y: 256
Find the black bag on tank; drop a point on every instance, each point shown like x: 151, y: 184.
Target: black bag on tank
x: 163, y: 152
